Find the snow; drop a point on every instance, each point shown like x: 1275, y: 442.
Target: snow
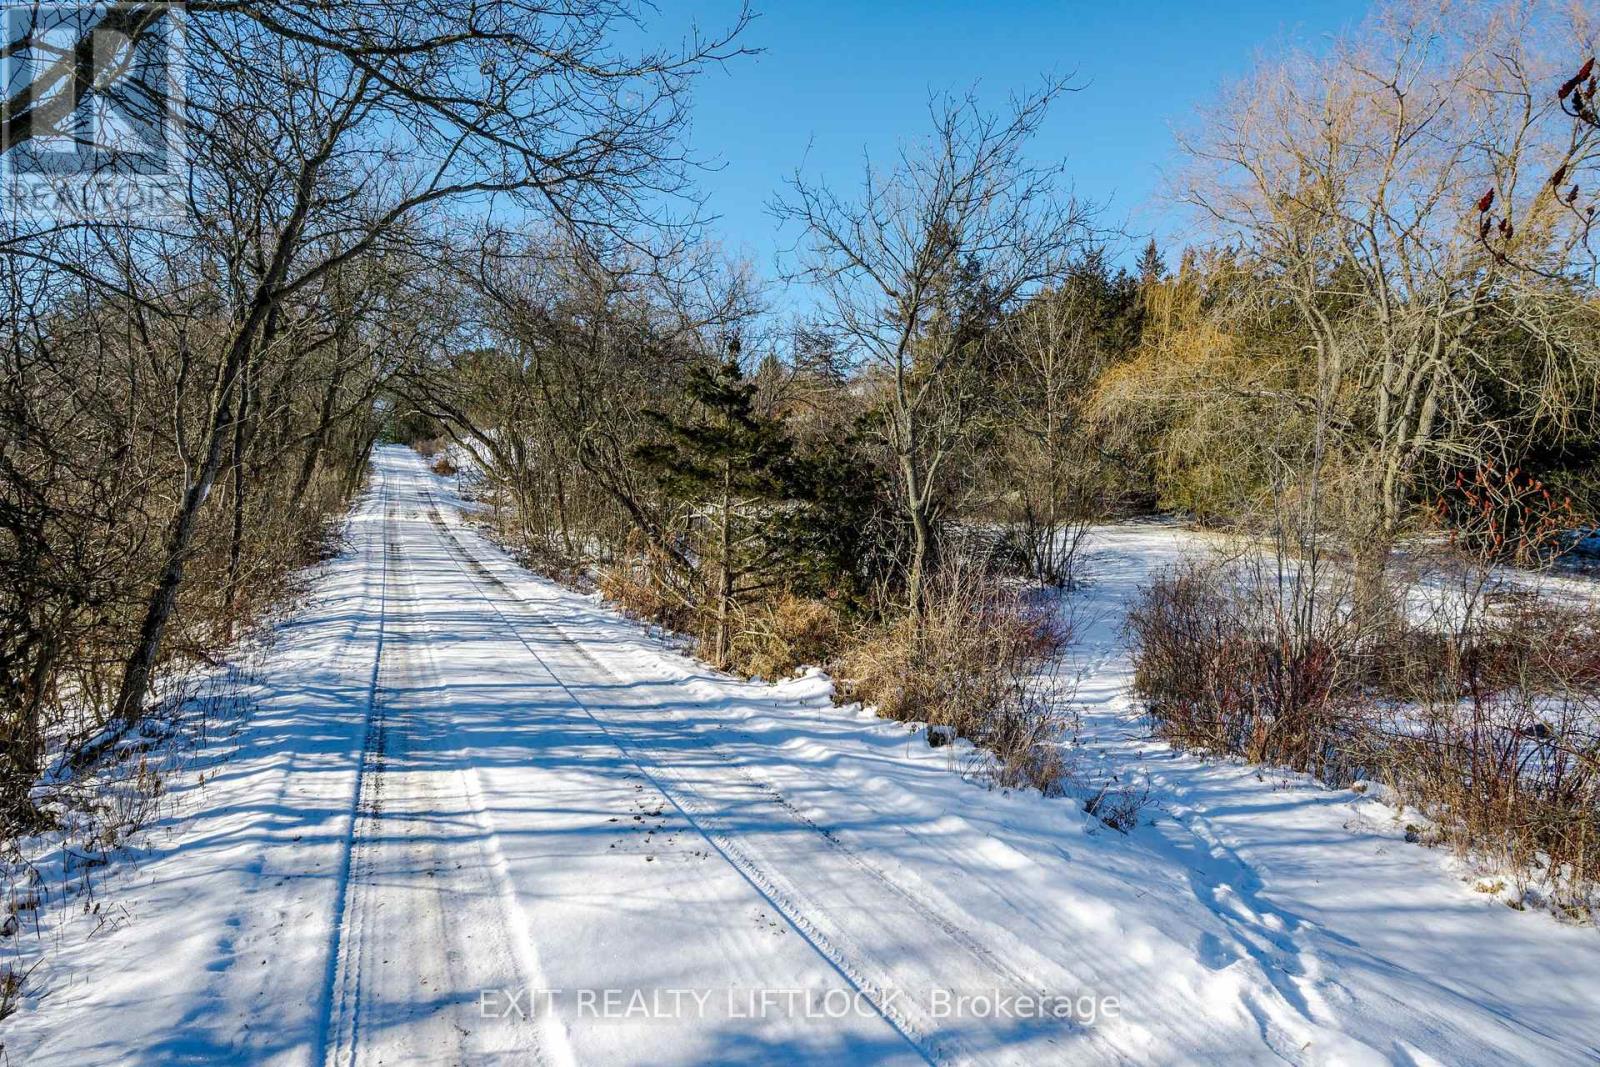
x: 544, y: 797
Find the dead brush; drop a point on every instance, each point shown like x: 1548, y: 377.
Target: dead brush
x: 428, y: 447
x: 1026, y: 742
x: 976, y: 660
x: 778, y: 636
x: 1484, y: 716
x: 1499, y: 743
x: 1222, y: 671
x: 643, y: 585
x: 1118, y: 806
x: 11, y: 985
x: 549, y: 558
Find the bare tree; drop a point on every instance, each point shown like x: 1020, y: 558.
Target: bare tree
x: 378, y: 132
x: 918, y: 269
x: 1049, y: 457
x: 1354, y: 184
x: 328, y: 142
x: 586, y: 335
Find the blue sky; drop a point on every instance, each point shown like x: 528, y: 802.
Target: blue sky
x: 846, y: 77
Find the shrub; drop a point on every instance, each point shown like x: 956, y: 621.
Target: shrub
x: 1117, y: 806
x: 1509, y: 516
x: 978, y: 661
x: 1221, y: 672
x: 1495, y: 733
x: 1486, y: 716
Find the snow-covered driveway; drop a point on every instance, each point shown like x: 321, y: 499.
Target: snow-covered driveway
x: 480, y: 819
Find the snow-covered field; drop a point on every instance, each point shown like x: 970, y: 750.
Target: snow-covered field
x: 478, y: 818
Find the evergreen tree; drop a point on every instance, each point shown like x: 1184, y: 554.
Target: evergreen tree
x: 839, y: 537
x: 1152, y: 268
x: 734, y: 466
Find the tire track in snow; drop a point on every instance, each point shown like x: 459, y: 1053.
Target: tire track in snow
x: 506, y: 916
x: 339, y: 1019
x: 409, y: 915
x: 695, y: 815
x: 917, y: 1025
x: 230, y: 946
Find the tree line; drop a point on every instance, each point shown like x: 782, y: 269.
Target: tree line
x: 190, y: 392
x: 477, y: 226
x: 1380, y: 340
x: 1397, y: 298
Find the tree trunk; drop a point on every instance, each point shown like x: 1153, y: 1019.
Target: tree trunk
x: 1371, y: 592
x: 1050, y: 574
x: 22, y: 749
x: 236, y: 532
x: 319, y: 441
x: 724, y: 570
x: 142, y: 659
x: 921, y: 545
x: 561, y: 510
x: 358, y: 462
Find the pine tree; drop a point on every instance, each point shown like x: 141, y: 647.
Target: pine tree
x: 831, y: 539
x: 1152, y: 268
x: 734, y: 466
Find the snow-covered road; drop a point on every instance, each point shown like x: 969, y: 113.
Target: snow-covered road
x: 478, y: 818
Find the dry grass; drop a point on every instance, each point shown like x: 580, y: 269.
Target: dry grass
x: 640, y: 584
x: 11, y: 982
x: 777, y: 637
x: 978, y: 662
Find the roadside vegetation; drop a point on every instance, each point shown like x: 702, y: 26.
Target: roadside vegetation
x: 1377, y: 367
x: 190, y: 392
x: 1378, y: 375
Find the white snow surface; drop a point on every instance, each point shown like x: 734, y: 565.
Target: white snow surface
x: 462, y: 779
